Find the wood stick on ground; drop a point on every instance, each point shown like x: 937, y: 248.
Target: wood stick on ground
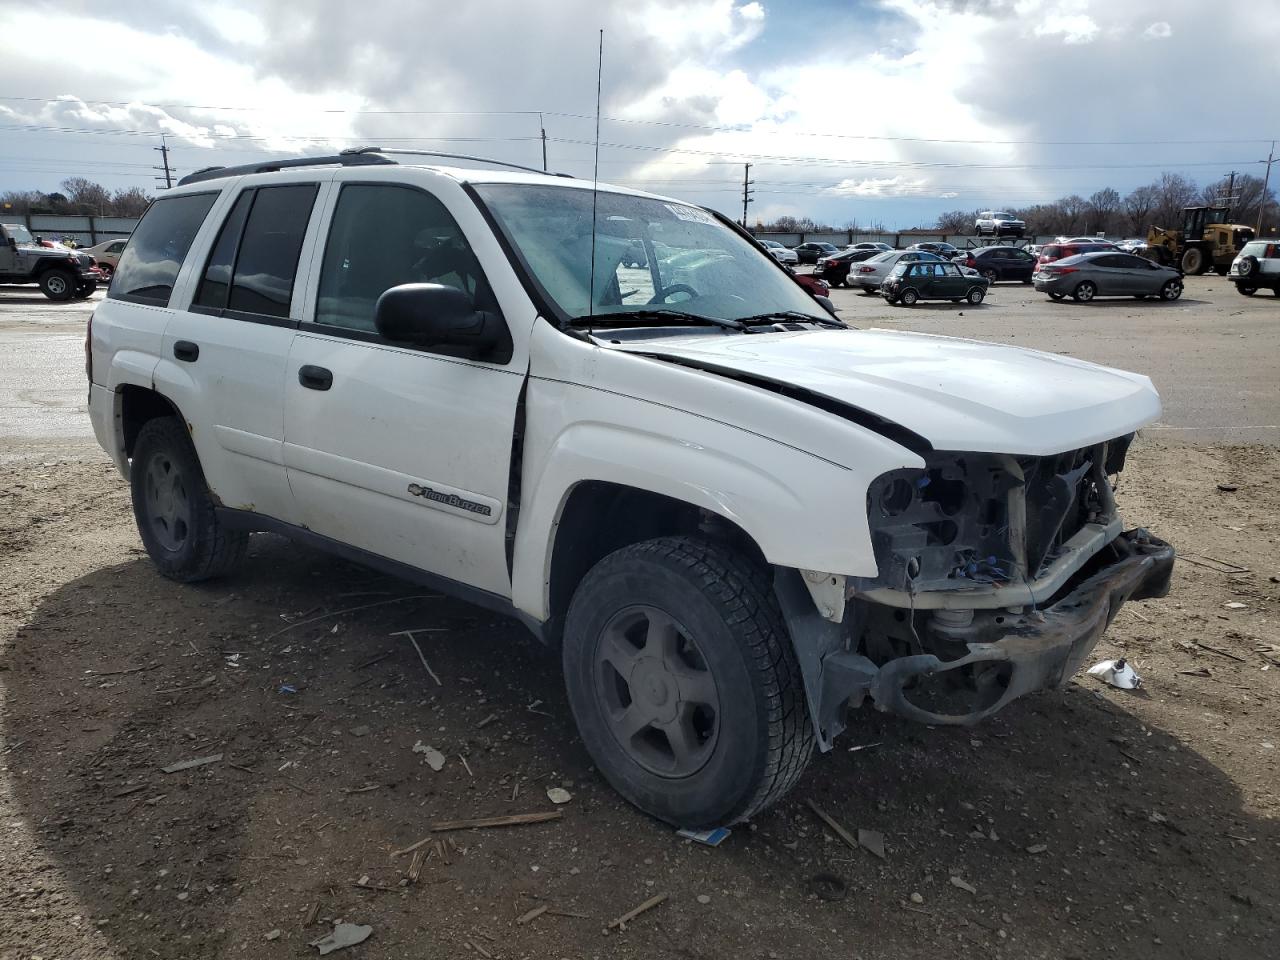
x: 414, y: 641
x: 338, y: 613
x: 622, y: 921
x: 415, y: 865
x: 836, y: 828
x: 532, y: 915
x: 510, y: 820
x: 312, y: 913
x: 1221, y: 653
x: 479, y: 949
x: 465, y: 764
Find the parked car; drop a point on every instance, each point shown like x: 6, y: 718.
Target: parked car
x: 107, y: 254
x: 909, y: 282
x: 784, y: 255
x: 811, y: 251
x: 998, y: 224
x: 869, y: 274
x: 1004, y: 263
x: 62, y: 274
x: 690, y: 492
x: 1256, y: 267
x: 1108, y: 273
x: 946, y: 251
x: 835, y: 269
x: 1057, y: 251
x: 869, y: 245
x: 1132, y: 245
x: 1075, y: 240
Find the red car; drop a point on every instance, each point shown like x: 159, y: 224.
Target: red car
x: 1058, y: 251
x: 816, y: 286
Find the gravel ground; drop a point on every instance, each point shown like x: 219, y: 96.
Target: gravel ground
x: 1085, y: 822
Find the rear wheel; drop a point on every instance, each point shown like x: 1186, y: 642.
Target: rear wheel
x: 1172, y: 290
x: 1249, y: 291
x: 58, y: 284
x: 1085, y: 291
x: 908, y: 297
x: 684, y: 683
x: 991, y: 275
x: 173, y: 508
x: 976, y: 295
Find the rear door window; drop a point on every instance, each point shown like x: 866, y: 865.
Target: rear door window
x: 151, y: 261
x: 267, y: 261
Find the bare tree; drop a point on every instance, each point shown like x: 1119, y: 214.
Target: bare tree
x: 129, y: 203
x: 1073, y: 210
x: 1247, y: 191
x: 1103, y: 206
x: 1138, y: 206
x: 86, y: 196
x: 956, y: 221
x: 1173, y: 192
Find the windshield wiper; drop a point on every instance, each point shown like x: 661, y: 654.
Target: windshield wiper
x: 623, y: 318
x: 790, y: 315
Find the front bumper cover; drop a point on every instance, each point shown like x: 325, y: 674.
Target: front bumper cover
x: 1041, y: 649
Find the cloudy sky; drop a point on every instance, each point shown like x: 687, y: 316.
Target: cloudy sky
x: 849, y: 110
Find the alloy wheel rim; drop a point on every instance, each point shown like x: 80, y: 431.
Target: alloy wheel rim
x: 658, y: 696
x: 168, y: 505
x: 56, y: 285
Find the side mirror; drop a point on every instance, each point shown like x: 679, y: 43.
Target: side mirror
x: 434, y: 315
x: 827, y: 305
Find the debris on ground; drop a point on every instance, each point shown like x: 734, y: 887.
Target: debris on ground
x: 412, y: 639
x: 434, y: 758
x: 274, y: 934
x: 708, y: 838
x: 621, y: 922
x: 1037, y: 848
x: 917, y: 899
x: 835, y: 826
x: 360, y: 731
x: 343, y: 935
x: 558, y: 795
x: 872, y: 841
x: 190, y: 764
x: 532, y: 915
x: 962, y: 884
x: 1117, y: 673
x: 1235, y: 605
x: 1228, y: 487
x: 827, y: 886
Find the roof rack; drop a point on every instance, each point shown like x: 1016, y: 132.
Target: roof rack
x: 357, y: 157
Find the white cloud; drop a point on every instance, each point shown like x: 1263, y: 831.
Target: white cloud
x: 880, y: 187
x: 751, y: 11
x: 1073, y: 28
x: 1160, y: 30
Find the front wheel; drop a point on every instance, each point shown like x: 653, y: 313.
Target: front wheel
x: 1171, y: 291
x: 85, y: 289
x: 173, y: 507
x: 58, y: 284
x: 1084, y: 292
x: 1249, y: 291
x: 684, y: 683
x: 976, y: 295
x: 1057, y: 296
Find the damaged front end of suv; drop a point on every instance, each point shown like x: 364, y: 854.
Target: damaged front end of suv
x: 997, y: 575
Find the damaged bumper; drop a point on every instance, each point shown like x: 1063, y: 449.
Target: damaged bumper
x: 1032, y: 650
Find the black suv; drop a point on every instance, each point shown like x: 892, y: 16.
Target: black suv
x: 1004, y: 263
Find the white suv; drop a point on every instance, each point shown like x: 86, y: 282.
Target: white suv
x: 998, y: 224
x: 732, y: 515
x: 1256, y: 267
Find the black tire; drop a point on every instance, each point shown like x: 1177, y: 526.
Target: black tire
x: 85, y: 289
x: 955, y: 299
x: 1171, y: 290
x: 1085, y: 291
x: 719, y: 608
x: 908, y: 297
x: 1276, y: 291
x: 1247, y: 290
x: 1194, y: 262
x: 1222, y: 270
x: 1057, y: 296
x: 58, y: 285
x: 990, y: 274
x: 178, y: 526
x: 976, y: 295
x: 1248, y: 265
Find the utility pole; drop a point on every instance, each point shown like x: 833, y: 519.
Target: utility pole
x: 168, y: 173
x: 1266, y: 181
x: 746, y: 191
x: 544, y: 141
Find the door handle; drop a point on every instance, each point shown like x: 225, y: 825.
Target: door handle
x: 187, y: 351
x: 315, y: 378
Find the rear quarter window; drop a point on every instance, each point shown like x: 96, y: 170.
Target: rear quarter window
x: 151, y: 261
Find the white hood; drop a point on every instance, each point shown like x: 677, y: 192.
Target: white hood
x: 958, y: 394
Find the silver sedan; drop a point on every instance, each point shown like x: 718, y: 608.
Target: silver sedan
x: 1108, y: 274
x: 869, y: 274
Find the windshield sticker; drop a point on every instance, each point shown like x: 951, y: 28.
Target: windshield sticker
x: 690, y: 214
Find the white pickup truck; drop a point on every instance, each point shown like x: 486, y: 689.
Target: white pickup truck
x: 734, y: 516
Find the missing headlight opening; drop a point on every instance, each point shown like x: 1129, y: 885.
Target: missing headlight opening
x: 996, y: 575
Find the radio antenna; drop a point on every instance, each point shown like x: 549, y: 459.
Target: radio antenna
x: 595, y: 185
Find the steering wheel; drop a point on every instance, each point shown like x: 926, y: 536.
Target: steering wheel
x: 661, y: 295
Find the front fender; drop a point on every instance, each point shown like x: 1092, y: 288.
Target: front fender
x: 802, y: 510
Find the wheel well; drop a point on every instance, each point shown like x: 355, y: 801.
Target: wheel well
x: 601, y: 517
x: 137, y: 406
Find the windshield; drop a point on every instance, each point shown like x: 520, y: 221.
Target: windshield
x: 648, y: 254
x: 20, y: 233
x: 1002, y: 216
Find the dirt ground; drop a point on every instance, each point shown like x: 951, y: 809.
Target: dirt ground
x: 1089, y: 822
